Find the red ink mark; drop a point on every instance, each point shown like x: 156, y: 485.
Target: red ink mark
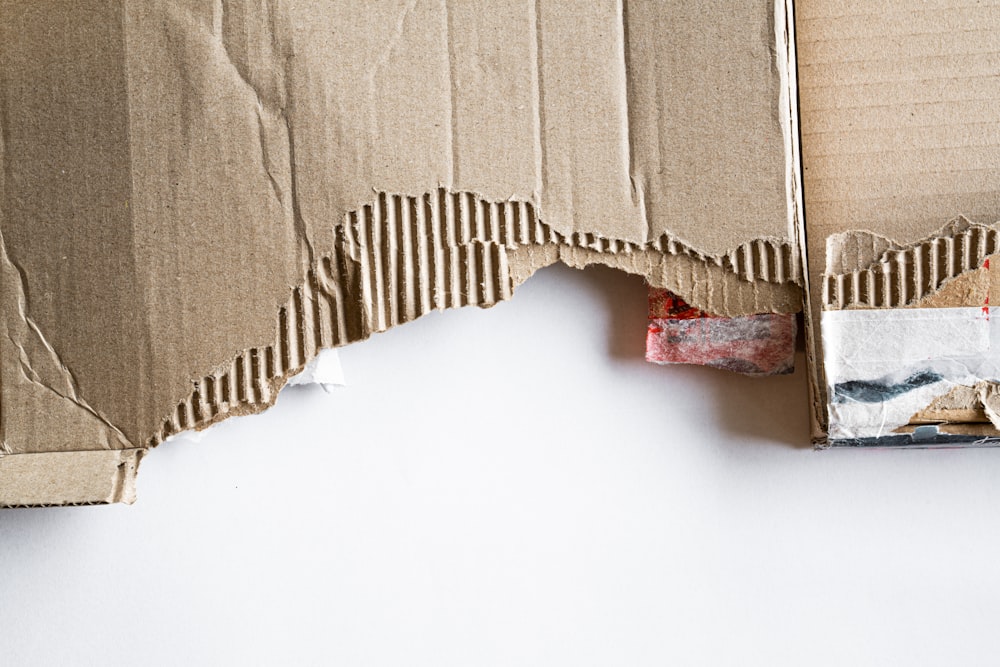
x: 666, y: 304
x: 986, y: 307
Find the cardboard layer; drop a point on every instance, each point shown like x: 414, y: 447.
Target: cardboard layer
x: 865, y: 270
x: 69, y: 478
x: 196, y: 197
x: 900, y: 135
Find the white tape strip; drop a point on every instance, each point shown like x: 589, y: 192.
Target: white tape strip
x: 884, y: 366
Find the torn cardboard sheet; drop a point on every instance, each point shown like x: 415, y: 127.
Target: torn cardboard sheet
x: 761, y: 344
x: 324, y: 371
x: 949, y: 268
x: 198, y: 197
x: 932, y: 299
x: 899, y: 135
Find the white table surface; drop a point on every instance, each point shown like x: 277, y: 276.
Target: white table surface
x: 517, y: 487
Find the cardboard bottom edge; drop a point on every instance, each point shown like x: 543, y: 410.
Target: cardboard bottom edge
x: 47, y: 479
x: 932, y: 439
x: 96, y: 477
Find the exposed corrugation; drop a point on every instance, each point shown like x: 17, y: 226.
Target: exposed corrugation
x: 401, y: 257
x: 902, y: 276
x: 89, y: 503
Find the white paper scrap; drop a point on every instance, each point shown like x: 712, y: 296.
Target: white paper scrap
x: 884, y: 366
x: 324, y: 370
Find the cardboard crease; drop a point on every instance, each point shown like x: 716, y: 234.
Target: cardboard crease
x: 204, y: 195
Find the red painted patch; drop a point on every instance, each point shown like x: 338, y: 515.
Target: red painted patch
x: 678, y: 333
x: 986, y: 305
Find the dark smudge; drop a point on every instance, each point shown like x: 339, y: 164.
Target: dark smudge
x: 874, y: 391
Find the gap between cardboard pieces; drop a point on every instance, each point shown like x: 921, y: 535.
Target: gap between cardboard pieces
x: 199, y: 196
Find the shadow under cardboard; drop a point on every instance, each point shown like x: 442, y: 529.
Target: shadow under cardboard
x: 625, y: 300
x: 774, y: 409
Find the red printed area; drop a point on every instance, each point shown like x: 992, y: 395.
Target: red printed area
x: 678, y: 333
x: 986, y: 305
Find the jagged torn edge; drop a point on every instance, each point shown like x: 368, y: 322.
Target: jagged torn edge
x: 477, y: 262
x: 867, y: 270
x: 394, y: 261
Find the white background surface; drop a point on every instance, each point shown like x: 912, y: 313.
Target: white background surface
x: 517, y: 487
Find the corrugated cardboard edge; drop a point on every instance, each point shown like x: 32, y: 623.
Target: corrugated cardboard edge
x: 393, y: 261
x: 69, y: 478
x: 948, y: 269
x: 480, y: 271
x: 402, y: 257
x: 889, y: 100
x: 883, y: 274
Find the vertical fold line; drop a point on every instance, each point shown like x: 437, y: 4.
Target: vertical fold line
x: 539, y: 102
x: 452, y: 94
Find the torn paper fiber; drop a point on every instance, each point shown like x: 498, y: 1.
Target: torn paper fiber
x: 886, y: 366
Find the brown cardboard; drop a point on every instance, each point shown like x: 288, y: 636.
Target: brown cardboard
x: 948, y: 269
x: 199, y: 196
x: 900, y: 135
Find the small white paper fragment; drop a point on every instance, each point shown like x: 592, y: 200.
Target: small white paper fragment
x: 324, y: 369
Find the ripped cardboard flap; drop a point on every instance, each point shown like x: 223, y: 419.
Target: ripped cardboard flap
x: 909, y: 340
x: 197, y: 197
x: 900, y: 144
